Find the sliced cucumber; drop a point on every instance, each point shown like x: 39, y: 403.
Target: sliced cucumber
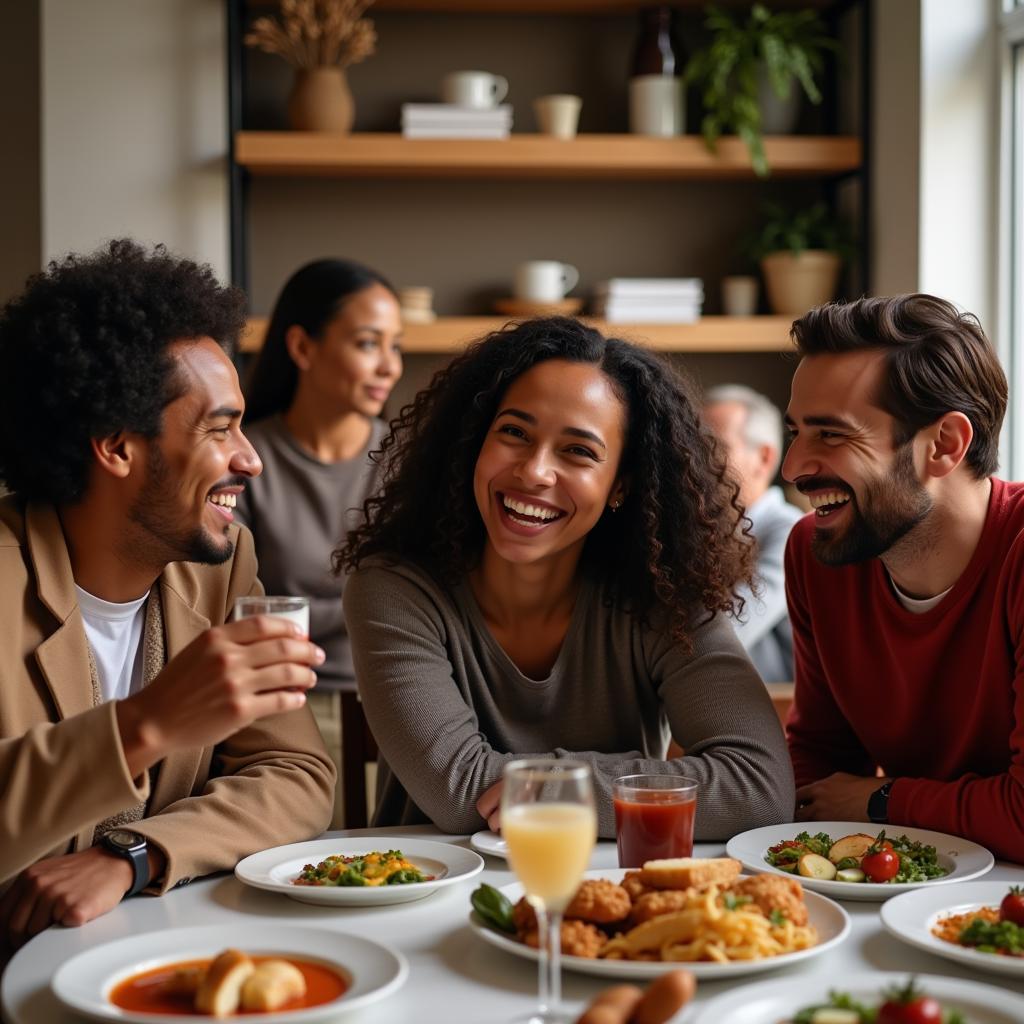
x: 829, y: 1015
x: 850, y: 875
x: 813, y: 866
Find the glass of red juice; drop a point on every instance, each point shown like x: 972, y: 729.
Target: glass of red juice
x: 653, y: 817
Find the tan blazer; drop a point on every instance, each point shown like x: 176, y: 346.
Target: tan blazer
x: 62, y: 768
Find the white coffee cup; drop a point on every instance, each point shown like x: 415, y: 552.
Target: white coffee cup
x: 558, y: 115
x: 739, y: 295
x: 479, y: 89
x: 545, y: 280
x: 656, y: 105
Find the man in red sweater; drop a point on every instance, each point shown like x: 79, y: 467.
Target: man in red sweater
x: 906, y: 584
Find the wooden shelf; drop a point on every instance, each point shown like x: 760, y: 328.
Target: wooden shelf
x: 315, y: 154
x: 593, y: 7
x: 709, y: 334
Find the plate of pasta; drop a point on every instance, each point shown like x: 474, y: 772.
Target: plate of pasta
x: 709, y: 920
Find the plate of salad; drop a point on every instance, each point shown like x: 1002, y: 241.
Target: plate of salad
x: 980, y: 924
x: 877, y: 997
x: 850, y: 860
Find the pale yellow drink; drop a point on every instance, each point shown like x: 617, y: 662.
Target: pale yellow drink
x: 549, y: 846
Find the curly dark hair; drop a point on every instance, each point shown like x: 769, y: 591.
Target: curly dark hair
x: 83, y: 354
x: 675, y: 545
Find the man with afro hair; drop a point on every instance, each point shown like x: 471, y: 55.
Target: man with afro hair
x: 143, y: 739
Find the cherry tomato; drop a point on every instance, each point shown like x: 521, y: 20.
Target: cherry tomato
x: 1012, y: 907
x: 880, y: 865
x: 909, y: 1006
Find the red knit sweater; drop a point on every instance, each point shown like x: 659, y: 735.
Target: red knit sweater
x: 936, y: 699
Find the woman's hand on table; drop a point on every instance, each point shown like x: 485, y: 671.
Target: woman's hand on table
x: 488, y: 806
x: 69, y: 890
x: 626, y: 1004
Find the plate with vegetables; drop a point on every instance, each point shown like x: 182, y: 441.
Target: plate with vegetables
x: 359, y: 872
x: 850, y: 860
x: 980, y: 924
x: 878, y: 997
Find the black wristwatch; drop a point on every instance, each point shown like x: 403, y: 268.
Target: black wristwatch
x: 131, y: 845
x: 878, y: 805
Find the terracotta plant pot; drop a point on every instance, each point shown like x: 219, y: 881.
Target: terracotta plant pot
x: 321, y: 102
x: 795, y: 284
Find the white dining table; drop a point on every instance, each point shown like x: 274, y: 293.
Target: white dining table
x: 454, y: 977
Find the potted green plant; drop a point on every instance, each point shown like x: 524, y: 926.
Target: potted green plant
x: 801, y: 253
x: 779, y: 49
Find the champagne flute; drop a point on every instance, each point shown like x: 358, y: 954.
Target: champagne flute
x: 549, y: 822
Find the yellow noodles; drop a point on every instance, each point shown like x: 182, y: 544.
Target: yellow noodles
x: 706, y: 929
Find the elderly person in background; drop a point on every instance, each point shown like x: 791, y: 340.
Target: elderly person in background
x: 750, y: 428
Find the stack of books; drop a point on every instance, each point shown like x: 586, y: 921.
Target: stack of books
x: 649, y: 300
x: 448, y: 121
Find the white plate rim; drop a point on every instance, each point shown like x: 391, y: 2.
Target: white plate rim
x: 814, y: 987
x: 817, y: 905
x: 172, y: 944
x: 971, y: 857
x: 255, y: 869
x: 910, y: 916
x: 490, y: 843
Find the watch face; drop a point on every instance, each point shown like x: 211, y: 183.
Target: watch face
x: 124, y: 838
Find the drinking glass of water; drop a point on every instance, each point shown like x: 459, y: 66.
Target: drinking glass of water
x: 295, y: 609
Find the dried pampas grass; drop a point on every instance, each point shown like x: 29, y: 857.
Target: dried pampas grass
x: 317, y: 33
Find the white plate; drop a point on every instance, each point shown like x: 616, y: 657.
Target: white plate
x: 910, y: 918
x: 776, y: 1001
x: 82, y: 983
x: 490, y: 843
x: 275, y: 870
x: 828, y: 918
x: 960, y: 857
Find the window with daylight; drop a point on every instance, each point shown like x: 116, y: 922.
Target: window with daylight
x: 1012, y: 218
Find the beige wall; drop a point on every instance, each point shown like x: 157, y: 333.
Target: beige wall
x: 134, y: 125
x: 896, y: 147
x: 19, y: 166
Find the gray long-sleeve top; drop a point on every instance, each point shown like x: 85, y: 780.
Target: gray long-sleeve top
x: 299, y: 510
x: 449, y: 708
x: 763, y: 628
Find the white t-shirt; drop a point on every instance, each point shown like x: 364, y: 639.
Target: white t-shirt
x: 917, y: 605
x: 114, y: 632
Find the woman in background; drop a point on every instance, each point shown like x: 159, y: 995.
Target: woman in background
x: 328, y: 364
x: 547, y: 571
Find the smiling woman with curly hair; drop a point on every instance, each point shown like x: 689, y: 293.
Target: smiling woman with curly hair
x: 547, y: 570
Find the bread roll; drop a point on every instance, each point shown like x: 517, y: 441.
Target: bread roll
x: 271, y: 985
x: 220, y: 990
x: 684, y: 872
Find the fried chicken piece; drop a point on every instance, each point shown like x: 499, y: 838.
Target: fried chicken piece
x: 579, y: 938
x: 524, y: 917
x: 771, y: 892
x: 599, y: 901
x: 658, y: 902
x: 632, y: 884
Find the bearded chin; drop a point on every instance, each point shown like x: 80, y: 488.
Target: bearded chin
x: 893, y: 506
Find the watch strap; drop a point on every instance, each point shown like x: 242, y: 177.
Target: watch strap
x: 878, y: 805
x: 138, y: 857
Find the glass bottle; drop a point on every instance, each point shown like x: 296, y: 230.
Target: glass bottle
x: 657, y: 52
